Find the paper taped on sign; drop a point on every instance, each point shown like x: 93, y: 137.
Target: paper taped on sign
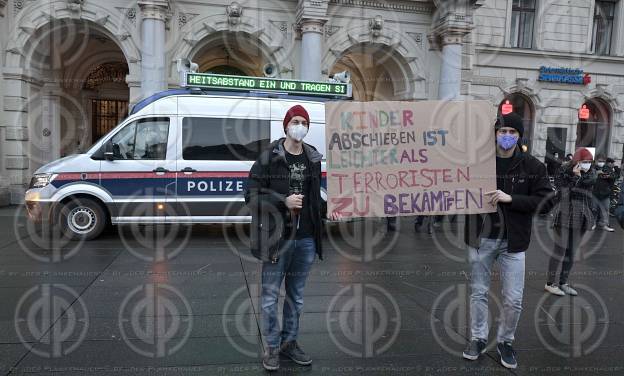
x: 410, y: 158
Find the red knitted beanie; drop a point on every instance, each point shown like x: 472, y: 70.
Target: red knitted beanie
x: 296, y: 110
x: 582, y: 154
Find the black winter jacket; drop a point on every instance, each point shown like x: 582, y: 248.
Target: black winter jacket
x: 531, y: 192
x: 574, y: 198
x: 267, y: 189
x: 605, y: 181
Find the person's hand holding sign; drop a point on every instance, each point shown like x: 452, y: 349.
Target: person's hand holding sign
x: 334, y: 216
x: 294, y: 202
x: 498, y: 196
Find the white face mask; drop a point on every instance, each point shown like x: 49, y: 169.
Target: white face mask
x: 297, y: 131
x: 585, y: 166
x: 600, y: 164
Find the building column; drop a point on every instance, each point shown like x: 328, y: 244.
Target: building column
x: 454, y: 21
x: 311, y: 17
x: 450, y: 69
x: 311, y: 49
x: 153, y: 67
x: 50, y: 132
x: 617, y: 47
x: 17, y: 160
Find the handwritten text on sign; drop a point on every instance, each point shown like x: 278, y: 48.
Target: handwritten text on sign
x: 410, y: 158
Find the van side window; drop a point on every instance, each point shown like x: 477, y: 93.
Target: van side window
x: 224, y: 139
x: 142, y: 139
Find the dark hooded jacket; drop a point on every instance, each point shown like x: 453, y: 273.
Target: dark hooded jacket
x: 605, y: 181
x: 574, y: 198
x: 619, y: 209
x: 267, y: 189
x: 528, y: 184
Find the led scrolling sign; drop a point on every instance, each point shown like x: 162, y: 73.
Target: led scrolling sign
x: 227, y: 82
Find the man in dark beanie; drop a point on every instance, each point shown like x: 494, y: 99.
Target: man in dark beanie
x: 283, y: 194
x: 522, y: 187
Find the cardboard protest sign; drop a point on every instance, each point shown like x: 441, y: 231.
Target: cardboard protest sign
x: 410, y: 158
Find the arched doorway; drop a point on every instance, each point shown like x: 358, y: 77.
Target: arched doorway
x: 108, y: 96
x: 595, y: 130
x: 377, y: 72
x: 226, y: 69
x: 76, y: 64
x: 521, y: 105
x: 231, y: 53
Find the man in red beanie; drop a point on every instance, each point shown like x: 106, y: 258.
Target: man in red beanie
x: 575, y: 182
x: 503, y: 237
x: 283, y: 194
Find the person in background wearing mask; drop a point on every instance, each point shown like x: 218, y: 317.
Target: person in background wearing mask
x: 283, y: 194
x: 605, y: 181
x: 576, y: 181
x: 504, y: 236
x: 568, y: 157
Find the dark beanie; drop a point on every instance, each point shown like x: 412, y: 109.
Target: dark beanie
x: 511, y: 120
x: 296, y: 110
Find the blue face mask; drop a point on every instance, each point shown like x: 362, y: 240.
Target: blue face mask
x: 507, y: 141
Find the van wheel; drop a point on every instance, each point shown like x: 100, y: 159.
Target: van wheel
x: 82, y: 219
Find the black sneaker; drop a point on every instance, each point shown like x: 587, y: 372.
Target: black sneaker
x: 475, y: 348
x: 507, y: 354
x: 271, y: 361
x: 293, y: 351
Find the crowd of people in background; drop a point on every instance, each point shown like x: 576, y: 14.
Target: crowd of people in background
x: 605, y: 178
x: 605, y: 190
x: 587, y: 192
x: 584, y: 190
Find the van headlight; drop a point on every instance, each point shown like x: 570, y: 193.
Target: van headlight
x: 41, y: 180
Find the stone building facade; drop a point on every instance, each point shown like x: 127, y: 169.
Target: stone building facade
x: 71, y: 68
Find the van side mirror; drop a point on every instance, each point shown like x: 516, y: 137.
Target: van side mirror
x: 117, y: 152
x: 108, y: 151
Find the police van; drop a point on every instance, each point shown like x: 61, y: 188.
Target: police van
x: 181, y: 156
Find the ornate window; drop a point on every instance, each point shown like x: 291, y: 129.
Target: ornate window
x: 604, y: 14
x: 105, y: 73
x: 522, y: 20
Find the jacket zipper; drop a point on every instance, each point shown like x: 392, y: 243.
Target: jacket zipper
x: 513, y: 180
x: 503, y: 208
x: 274, y: 259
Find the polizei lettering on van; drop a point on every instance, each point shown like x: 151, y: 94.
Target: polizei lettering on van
x: 215, y: 186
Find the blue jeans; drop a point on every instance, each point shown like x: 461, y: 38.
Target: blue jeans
x: 512, y: 279
x: 293, y: 267
x: 602, y: 211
